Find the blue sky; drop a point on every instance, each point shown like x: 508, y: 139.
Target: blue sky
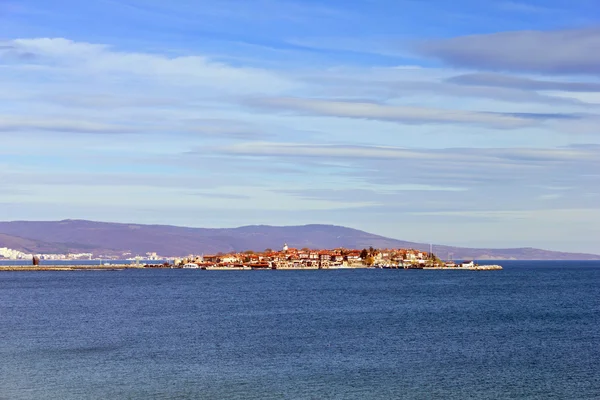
x: 467, y: 123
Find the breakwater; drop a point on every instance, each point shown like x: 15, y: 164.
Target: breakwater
x: 470, y: 268
x: 110, y: 267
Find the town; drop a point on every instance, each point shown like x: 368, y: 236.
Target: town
x: 305, y: 258
x: 285, y: 258
x: 12, y: 254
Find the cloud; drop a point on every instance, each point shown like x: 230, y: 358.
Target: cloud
x: 28, y: 123
x: 326, y: 151
x: 487, y: 173
x: 572, y: 51
x: 85, y: 59
x: 110, y: 101
x: 223, y: 196
x: 400, y: 114
x: 506, y: 81
x: 12, y: 53
x: 383, y: 152
x: 206, y: 128
x: 377, y: 84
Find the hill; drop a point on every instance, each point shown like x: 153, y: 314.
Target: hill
x: 166, y: 240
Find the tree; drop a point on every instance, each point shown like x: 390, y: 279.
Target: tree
x: 371, y: 250
x: 268, y: 250
x: 364, y: 254
x: 305, y: 249
x: 248, y: 252
x: 370, y: 260
x: 434, y: 259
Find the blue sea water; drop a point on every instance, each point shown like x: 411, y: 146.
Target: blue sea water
x: 531, y: 331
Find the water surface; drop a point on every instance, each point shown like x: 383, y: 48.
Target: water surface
x: 531, y: 331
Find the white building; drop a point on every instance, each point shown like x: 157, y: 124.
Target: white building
x: 13, y: 254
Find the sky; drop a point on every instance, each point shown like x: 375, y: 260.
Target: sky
x: 469, y: 123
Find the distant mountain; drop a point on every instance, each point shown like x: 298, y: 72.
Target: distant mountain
x: 114, y: 238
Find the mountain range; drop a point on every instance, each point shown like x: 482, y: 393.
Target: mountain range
x: 104, y: 238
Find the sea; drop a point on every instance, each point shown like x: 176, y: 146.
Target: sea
x: 530, y: 331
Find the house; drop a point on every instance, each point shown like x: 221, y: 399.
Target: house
x: 228, y: 258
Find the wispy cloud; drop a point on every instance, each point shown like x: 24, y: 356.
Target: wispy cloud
x: 383, y: 152
x: 13, y: 124
x: 551, y: 52
x: 402, y: 114
x: 514, y: 82
x: 87, y: 59
x: 207, y: 128
x: 382, y: 83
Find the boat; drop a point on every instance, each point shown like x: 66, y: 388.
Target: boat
x: 191, y: 266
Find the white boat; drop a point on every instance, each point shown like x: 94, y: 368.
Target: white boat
x: 191, y: 266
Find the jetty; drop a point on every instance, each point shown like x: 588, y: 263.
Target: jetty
x: 469, y: 268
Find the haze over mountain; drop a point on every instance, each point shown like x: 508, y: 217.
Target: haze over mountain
x: 117, y: 238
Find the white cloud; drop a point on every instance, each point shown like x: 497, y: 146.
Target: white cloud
x: 27, y: 123
x: 92, y: 59
x: 308, y: 150
x: 383, y: 152
x: 402, y: 114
